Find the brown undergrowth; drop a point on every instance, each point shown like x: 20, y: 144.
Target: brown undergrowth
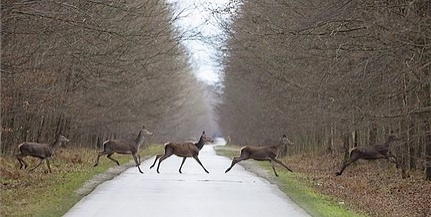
x: 372, y: 186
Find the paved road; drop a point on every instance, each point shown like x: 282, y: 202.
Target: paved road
x: 193, y: 193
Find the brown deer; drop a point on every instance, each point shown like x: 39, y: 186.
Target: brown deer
x: 38, y: 150
x: 123, y: 146
x: 371, y: 153
x: 184, y: 150
x: 268, y: 153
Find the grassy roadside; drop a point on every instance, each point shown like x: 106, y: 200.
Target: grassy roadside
x: 43, y: 194
x: 296, y: 186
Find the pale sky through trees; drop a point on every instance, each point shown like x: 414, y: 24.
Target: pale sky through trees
x: 199, y: 23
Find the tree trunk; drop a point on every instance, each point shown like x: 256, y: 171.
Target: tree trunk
x: 373, y: 135
x: 346, y: 145
x: 428, y: 151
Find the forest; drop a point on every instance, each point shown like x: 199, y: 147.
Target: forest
x: 331, y: 75
x: 94, y: 70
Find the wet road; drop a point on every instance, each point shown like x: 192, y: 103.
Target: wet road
x: 193, y: 193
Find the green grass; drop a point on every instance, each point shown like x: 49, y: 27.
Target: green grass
x: 317, y: 204
x: 296, y: 186
x: 37, y: 193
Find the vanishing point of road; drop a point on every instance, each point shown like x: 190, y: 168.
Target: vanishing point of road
x: 193, y: 193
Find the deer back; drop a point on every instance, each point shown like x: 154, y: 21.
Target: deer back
x: 121, y: 146
x: 259, y: 153
x: 186, y: 149
x: 35, y: 149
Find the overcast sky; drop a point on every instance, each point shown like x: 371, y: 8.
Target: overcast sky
x: 197, y: 17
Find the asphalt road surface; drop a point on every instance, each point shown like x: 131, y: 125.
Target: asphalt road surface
x: 190, y: 194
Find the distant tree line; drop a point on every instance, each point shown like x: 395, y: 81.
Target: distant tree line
x: 94, y: 70
x: 331, y: 75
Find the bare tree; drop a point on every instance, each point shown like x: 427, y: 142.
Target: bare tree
x: 94, y: 70
x: 327, y: 69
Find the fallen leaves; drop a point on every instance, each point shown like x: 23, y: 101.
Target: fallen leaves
x: 375, y: 187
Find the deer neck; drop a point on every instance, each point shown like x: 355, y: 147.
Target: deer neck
x: 140, y: 139
x: 56, y: 144
x: 275, y: 147
x: 200, y: 143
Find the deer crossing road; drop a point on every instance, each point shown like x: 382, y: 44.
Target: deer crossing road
x: 192, y: 193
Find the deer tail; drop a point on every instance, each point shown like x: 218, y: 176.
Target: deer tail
x: 353, y: 149
x: 17, y: 149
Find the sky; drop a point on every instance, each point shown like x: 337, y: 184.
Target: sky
x: 197, y: 17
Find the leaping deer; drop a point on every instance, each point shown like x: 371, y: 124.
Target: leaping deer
x: 268, y: 153
x: 371, y: 153
x: 38, y: 150
x: 123, y: 146
x: 184, y: 150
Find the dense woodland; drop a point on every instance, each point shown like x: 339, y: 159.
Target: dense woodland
x: 331, y: 75
x: 94, y: 70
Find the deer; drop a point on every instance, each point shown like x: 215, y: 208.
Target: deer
x: 124, y: 146
x: 184, y: 150
x: 371, y: 153
x: 39, y: 150
x: 267, y: 153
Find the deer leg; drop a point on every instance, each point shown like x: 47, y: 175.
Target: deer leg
x: 40, y: 161
x: 392, y: 158
x: 135, y: 157
x: 162, y: 158
x: 352, y: 159
x: 109, y: 156
x: 273, y: 168
x: 47, y: 164
x: 281, y: 163
x: 157, y: 157
x: 184, y: 160
x: 21, y: 161
x: 235, y: 161
x: 139, y: 158
x: 98, y: 156
x: 197, y: 159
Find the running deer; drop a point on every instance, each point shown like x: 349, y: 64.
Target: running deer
x: 268, y: 153
x: 123, y: 146
x: 184, y: 150
x: 371, y: 153
x: 39, y: 150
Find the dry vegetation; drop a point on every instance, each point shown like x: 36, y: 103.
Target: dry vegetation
x: 374, y: 187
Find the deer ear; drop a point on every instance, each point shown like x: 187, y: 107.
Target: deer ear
x: 143, y: 126
x: 203, y: 132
